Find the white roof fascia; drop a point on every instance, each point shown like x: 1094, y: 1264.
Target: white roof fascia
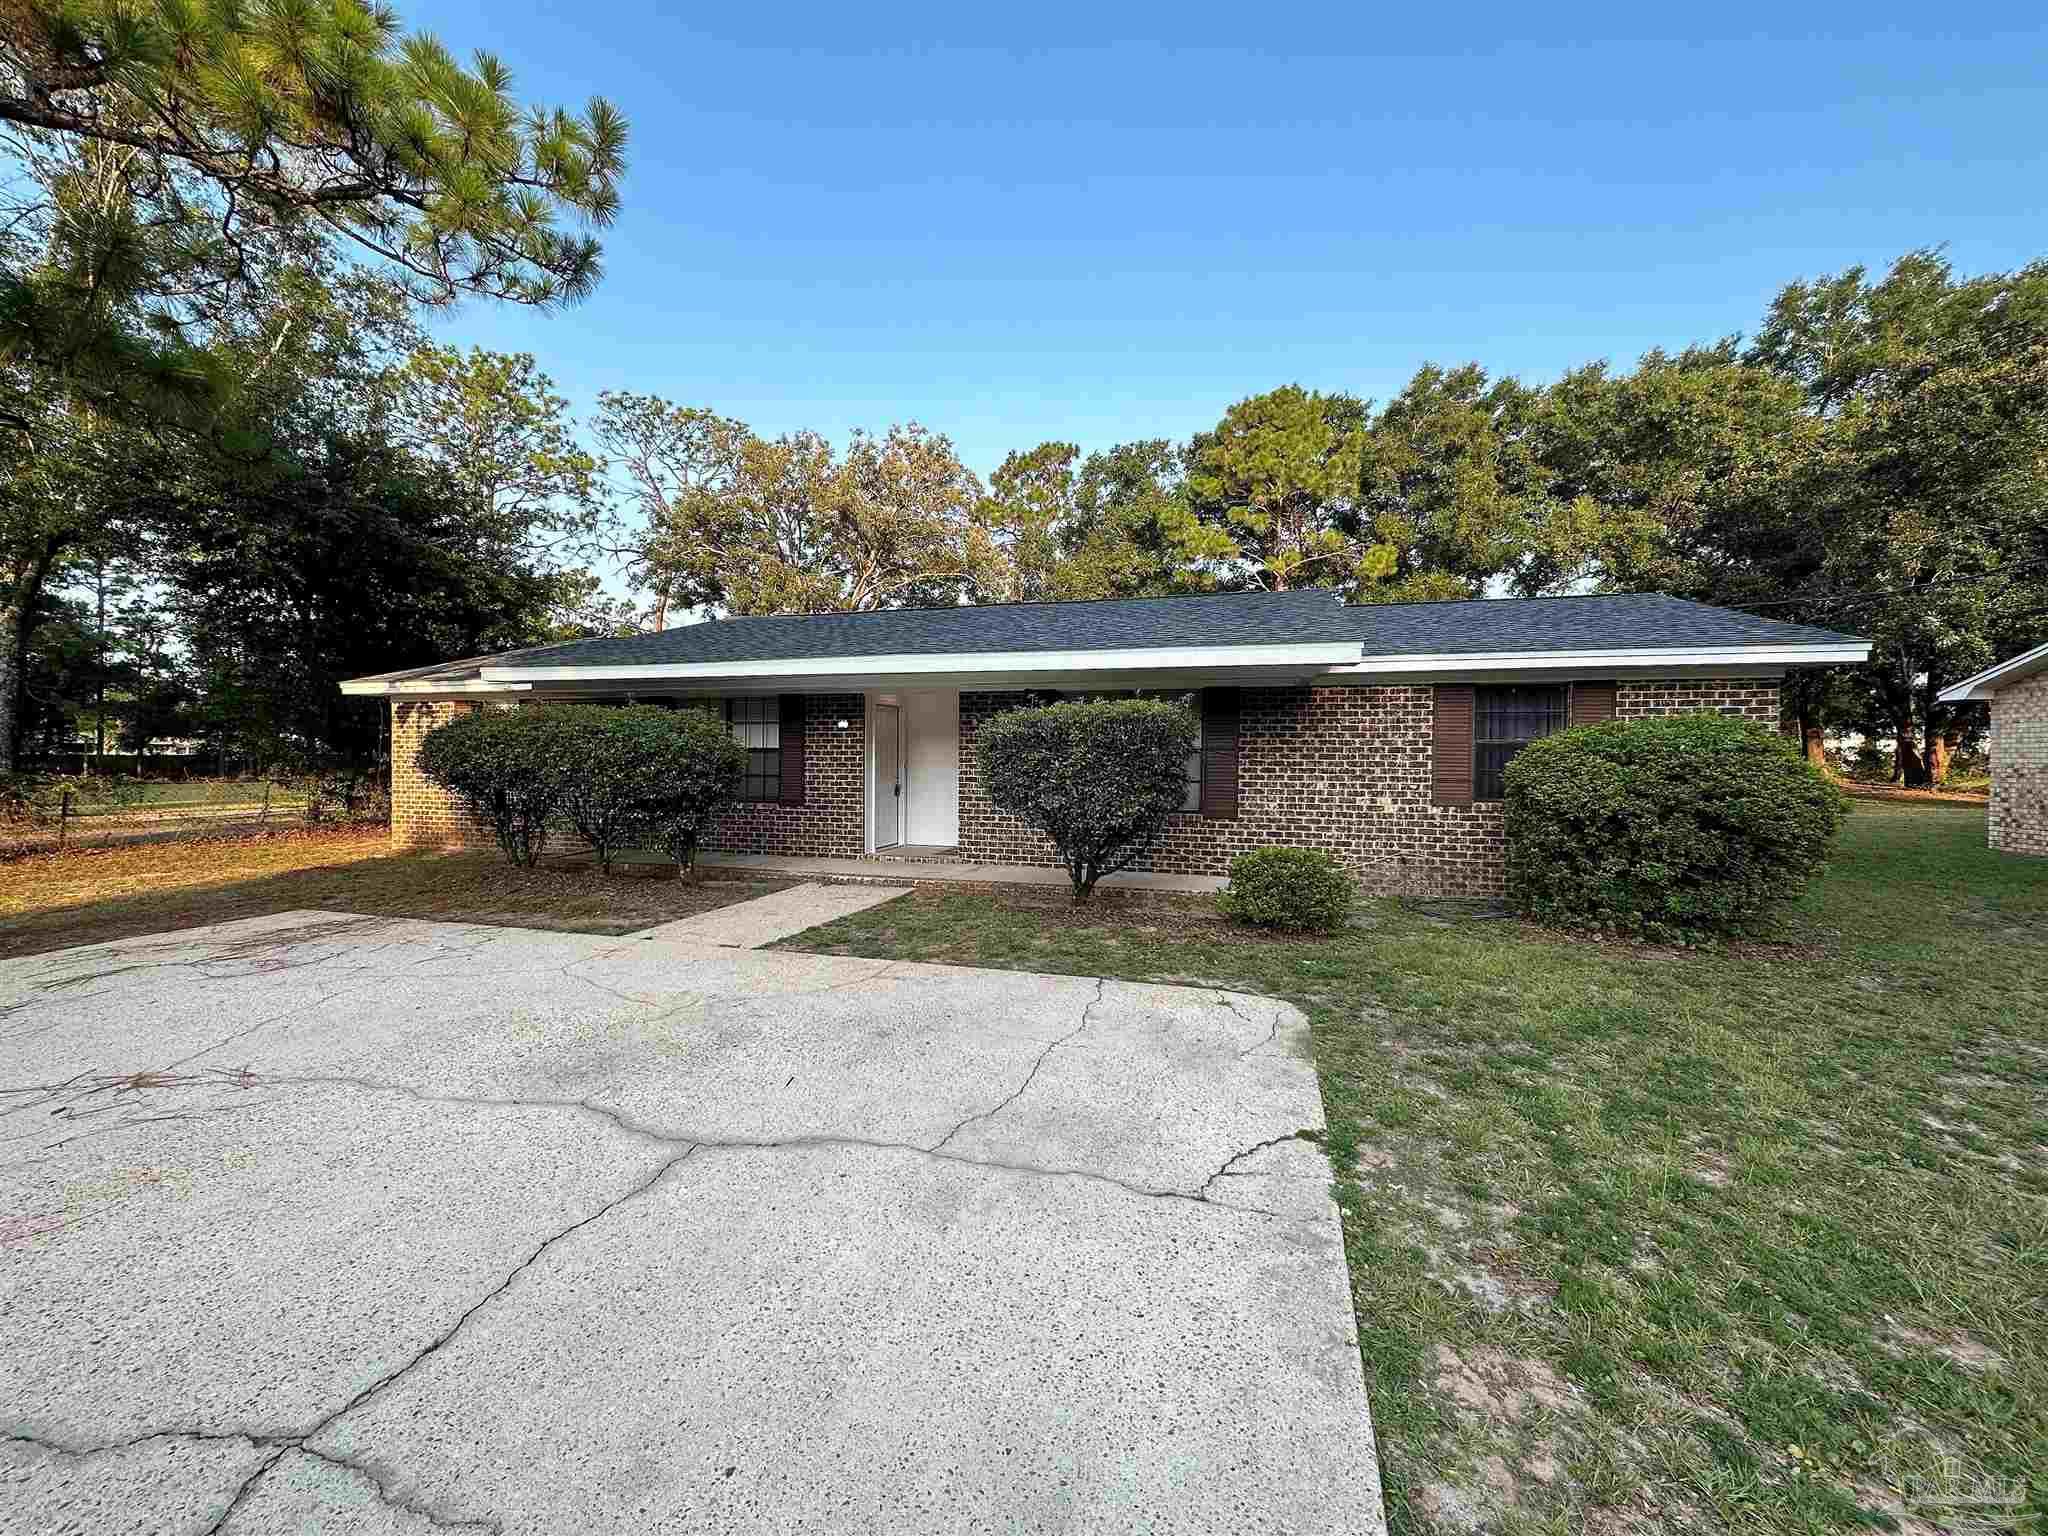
x: 1991, y: 679
x: 1644, y: 662
x: 426, y: 687
x: 949, y: 663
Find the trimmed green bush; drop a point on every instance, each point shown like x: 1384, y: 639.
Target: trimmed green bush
x: 1674, y: 828
x: 638, y: 773
x: 1302, y: 890
x: 505, y: 770
x: 623, y: 777
x: 1098, y: 777
x: 694, y: 772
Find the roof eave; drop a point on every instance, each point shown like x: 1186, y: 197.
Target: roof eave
x: 425, y: 687
x: 1988, y: 683
x: 949, y: 664
x: 1637, y: 662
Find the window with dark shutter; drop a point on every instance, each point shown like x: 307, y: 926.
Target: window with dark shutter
x: 792, y: 749
x: 1505, y: 720
x: 757, y: 725
x: 1451, y: 741
x: 1216, y: 793
x: 1592, y: 703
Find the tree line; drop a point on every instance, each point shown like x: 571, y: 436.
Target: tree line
x: 233, y: 470
x: 1873, y: 458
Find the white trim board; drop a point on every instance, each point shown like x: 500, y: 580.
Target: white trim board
x: 1249, y: 665
x: 1986, y: 684
x: 947, y: 663
x: 427, y: 687
x: 1594, y: 663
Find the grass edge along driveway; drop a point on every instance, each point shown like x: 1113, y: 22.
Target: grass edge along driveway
x: 1753, y: 1239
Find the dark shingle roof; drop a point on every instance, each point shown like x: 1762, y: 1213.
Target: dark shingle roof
x: 1619, y: 622
x: 1636, y: 621
x: 1133, y: 623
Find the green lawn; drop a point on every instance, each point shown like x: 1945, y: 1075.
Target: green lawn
x: 1749, y: 1240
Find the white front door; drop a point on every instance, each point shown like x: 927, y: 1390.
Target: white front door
x: 931, y: 767
x: 885, y: 791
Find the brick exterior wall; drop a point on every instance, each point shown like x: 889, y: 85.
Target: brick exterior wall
x: 1745, y: 697
x: 424, y: 815
x: 1347, y: 770
x: 832, y: 821
x: 2019, y: 767
x: 1342, y: 769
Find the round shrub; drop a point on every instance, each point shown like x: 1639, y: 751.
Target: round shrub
x: 624, y: 776
x: 1302, y: 890
x: 505, y: 768
x: 693, y: 770
x: 1676, y: 827
x: 1099, y: 777
x: 637, y: 775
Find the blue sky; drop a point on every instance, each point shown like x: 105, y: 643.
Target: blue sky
x: 1109, y: 222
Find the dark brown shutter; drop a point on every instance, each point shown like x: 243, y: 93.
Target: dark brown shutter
x: 1592, y: 703
x: 792, y: 749
x: 1219, y: 753
x: 1452, y: 773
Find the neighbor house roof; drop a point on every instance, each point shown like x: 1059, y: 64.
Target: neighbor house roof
x: 1230, y: 634
x: 1986, y: 684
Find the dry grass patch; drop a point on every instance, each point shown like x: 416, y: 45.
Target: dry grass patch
x: 90, y: 896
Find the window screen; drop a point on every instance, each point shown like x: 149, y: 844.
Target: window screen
x: 1504, y: 720
x: 757, y: 726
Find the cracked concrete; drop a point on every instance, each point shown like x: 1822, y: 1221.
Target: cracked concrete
x: 316, y: 1221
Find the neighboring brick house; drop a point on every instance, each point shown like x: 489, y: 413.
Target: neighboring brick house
x: 1375, y: 732
x: 2017, y: 691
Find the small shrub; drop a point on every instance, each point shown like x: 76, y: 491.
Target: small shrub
x: 1098, y: 777
x: 1302, y: 890
x: 1671, y: 828
x: 347, y: 796
x: 506, y: 766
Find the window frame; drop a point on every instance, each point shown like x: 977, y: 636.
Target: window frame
x: 760, y: 714
x: 1488, y: 783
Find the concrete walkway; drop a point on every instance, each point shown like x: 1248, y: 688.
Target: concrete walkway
x: 778, y: 915
x: 900, y: 871
x: 322, y: 1222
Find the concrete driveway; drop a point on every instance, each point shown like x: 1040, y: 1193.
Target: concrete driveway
x: 319, y: 1222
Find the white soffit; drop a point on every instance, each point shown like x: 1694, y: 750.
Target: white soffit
x: 1986, y: 684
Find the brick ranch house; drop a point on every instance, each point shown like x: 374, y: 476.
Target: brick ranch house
x: 2017, y: 691
x: 1377, y: 733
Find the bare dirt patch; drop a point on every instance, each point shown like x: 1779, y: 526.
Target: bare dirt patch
x: 1950, y: 1345
x: 1496, y: 1386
